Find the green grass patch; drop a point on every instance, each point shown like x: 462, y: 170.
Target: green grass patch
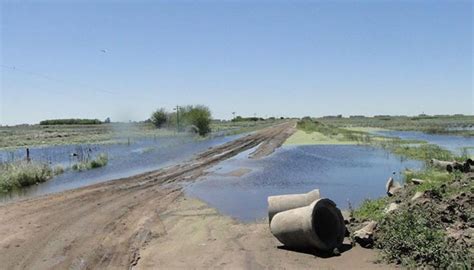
x: 438, y: 181
x: 371, y: 209
x: 100, y: 161
x: 304, y: 138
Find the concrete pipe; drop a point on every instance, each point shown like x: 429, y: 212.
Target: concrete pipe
x: 280, y: 203
x: 319, y: 225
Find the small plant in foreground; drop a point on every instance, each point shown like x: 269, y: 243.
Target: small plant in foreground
x: 371, y: 209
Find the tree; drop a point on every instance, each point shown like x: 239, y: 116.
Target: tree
x: 158, y: 118
x: 107, y: 120
x: 199, y: 116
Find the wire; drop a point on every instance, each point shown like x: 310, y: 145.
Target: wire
x: 47, y: 77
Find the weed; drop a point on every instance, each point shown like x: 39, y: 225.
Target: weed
x: 415, y: 237
x: 21, y: 174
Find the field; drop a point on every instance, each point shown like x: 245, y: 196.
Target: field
x: 455, y: 124
x: 36, y: 135
x: 127, y: 223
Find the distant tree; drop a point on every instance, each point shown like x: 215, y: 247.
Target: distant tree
x: 237, y: 119
x: 107, y: 120
x: 158, y: 118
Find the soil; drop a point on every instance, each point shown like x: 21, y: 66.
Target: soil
x: 145, y: 221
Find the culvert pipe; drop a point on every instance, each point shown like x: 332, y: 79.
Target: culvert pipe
x: 280, y: 203
x: 319, y: 225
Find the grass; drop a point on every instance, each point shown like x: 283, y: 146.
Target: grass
x: 438, y: 181
x: 21, y: 174
x: 421, y: 152
x: 415, y: 237
x: 314, y: 132
x: 371, y: 209
x: 100, y: 161
x: 305, y: 138
x: 42, y: 135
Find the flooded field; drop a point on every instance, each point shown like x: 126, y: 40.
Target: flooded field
x: 239, y: 187
x: 449, y: 142
x: 124, y: 160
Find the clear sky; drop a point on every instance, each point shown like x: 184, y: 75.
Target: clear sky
x: 285, y: 58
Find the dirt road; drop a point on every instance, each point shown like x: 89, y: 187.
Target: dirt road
x: 142, y: 222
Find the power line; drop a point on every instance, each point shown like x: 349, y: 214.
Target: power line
x: 47, y: 77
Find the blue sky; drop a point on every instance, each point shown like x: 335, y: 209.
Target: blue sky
x: 285, y: 58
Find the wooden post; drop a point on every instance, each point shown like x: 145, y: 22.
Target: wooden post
x: 28, y: 159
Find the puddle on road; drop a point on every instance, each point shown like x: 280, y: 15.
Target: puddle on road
x: 343, y: 173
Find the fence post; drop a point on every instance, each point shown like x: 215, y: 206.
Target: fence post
x: 28, y: 159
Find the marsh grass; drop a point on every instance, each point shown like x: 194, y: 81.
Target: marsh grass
x: 420, y: 152
x: 100, y: 161
x: 21, y: 174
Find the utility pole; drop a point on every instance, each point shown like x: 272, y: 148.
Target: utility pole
x: 177, y: 118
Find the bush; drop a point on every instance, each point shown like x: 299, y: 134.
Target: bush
x: 199, y: 116
x: 159, y: 117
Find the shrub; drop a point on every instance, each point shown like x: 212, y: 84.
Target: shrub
x: 199, y: 116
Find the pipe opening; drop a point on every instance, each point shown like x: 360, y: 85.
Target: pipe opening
x: 326, y: 224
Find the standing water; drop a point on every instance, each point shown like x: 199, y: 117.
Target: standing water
x: 452, y: 143
x: 343, y: 173
x: 124, y: 160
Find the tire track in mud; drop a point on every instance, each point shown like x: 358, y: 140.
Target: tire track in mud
x: 105, y: 225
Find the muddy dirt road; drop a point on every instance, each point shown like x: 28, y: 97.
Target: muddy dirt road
x: 144, y: 222
x: 106, y: 225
